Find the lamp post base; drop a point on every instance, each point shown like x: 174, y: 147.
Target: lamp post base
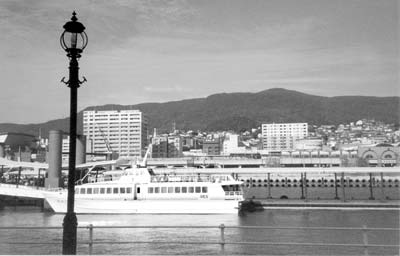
x: 70, y: 225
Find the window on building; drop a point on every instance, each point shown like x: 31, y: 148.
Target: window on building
x: 177, y: 189
x: 102, y: 190
x: 164, y: 190
x: 128, y: 190
x: 89, y: 191
x: 151, y: 190
x: 170, y: 190
x: 108, y: 190
x: 184, y: 189
x: 191, y: 189
x: 122, y: 190
x: 204, y: 190
x: 95, y: 190
x: 115, y: 190
x: 157, y: 190
x: 198, y: 189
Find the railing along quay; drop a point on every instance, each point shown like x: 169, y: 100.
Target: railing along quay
x: 222, y: 242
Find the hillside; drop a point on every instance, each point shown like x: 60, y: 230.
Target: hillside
x: 236, y: 111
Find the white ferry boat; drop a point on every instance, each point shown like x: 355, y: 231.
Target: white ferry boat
x: 139, y: 190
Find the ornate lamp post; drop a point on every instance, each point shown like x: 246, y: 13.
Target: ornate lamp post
x: 73, y: 40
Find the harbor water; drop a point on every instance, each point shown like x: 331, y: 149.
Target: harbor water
x: 33, y: 216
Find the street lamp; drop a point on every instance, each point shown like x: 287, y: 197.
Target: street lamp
x: 73, y: 40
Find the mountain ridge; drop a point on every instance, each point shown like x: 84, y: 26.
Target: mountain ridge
x: 238, y: 111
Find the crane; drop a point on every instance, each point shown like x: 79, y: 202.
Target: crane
x: 144, y: 162
x: 105, y: 140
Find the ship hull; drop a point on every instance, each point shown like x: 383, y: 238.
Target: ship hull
x: 104, y: 206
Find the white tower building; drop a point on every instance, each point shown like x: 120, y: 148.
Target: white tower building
x: 230, y: 144
x: 282, y: 136
x: 121, y: 131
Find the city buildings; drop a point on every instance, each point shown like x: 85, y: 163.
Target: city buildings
x: 17, y: 146
x: 282, y: 136
x: 384, y: 154
x: 212, y: 146
x: 308, y: 144
x: 159, y: 147
x: 120, y: 131
x: 83, y: 146
x: 174, y: 146
x: 166, y: 146
x: 360, y: 143
x: 230, y: 143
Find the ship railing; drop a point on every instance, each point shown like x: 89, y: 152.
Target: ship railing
x: 222, y: 241
x: 180, y: 179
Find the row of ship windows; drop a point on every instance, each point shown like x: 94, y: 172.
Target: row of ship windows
x: 151, y: 190
x: 104, y: 190
x: 164, y: 190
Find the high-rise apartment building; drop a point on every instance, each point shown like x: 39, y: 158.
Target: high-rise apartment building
x: 230, y: 144
x: 121, y: 131
x: 283, y: 136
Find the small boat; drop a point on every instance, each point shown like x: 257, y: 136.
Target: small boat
x: 250, y: 206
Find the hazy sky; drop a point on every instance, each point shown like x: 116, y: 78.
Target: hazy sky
x: 157, y: 51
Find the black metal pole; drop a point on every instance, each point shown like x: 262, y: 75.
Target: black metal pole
x: 382, y: 189
x: 302, y: 186
x: 305, y: 186
x: 336, y: 192
x: 38, y: 179
x: 343, y: 188
x: 371, y: 193
x: 269, y: 186
x: 70, y: 221
x: 19, y: 175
